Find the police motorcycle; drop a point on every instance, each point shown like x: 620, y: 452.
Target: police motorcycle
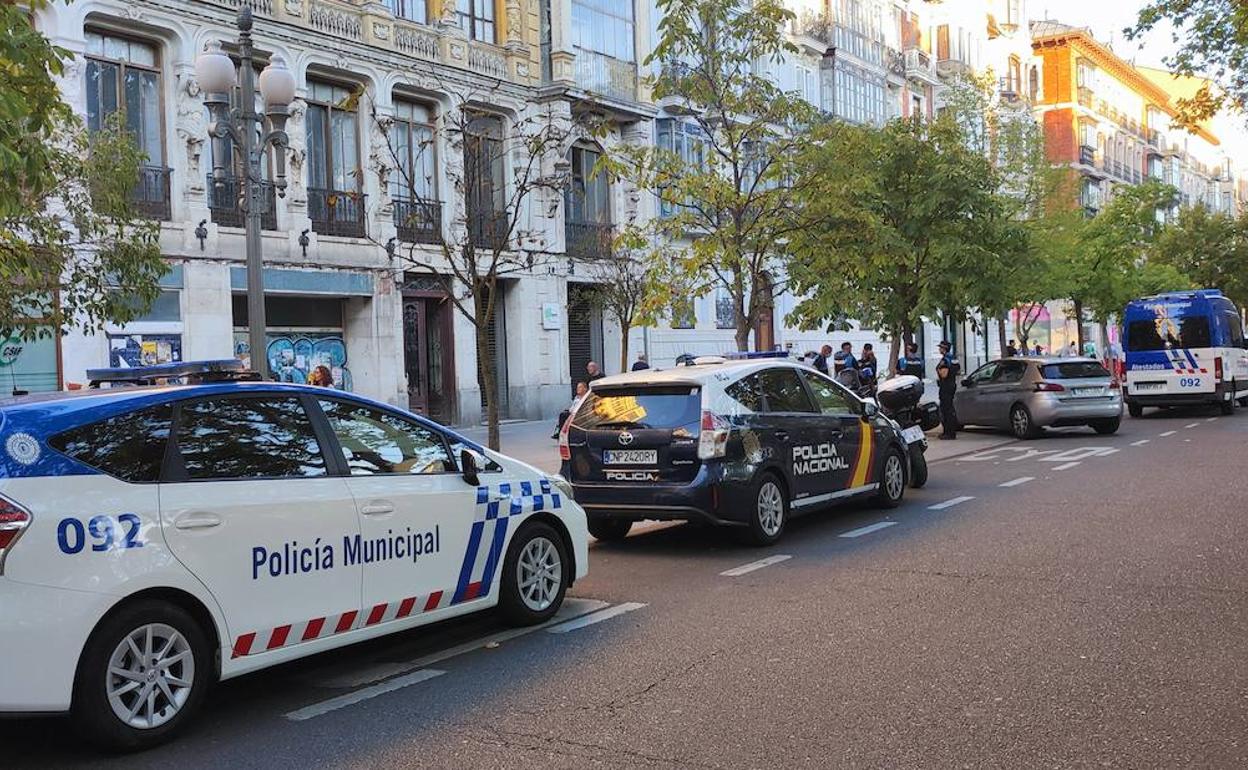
x: 899, y: 400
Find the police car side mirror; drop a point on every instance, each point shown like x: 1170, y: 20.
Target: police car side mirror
x: 468, y: 467
x: 869, y: 409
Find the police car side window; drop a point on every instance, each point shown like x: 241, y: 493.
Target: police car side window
x: 829, y: 398
x: 248, y: 438
x: 783, y: 391
x: 748, y: 392
x: 129, y: 446
x: 376, y: 442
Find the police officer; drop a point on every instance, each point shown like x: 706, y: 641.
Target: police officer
x: 947, y: 371
x: 912, y: 363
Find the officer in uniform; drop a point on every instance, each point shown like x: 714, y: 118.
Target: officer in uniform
x: 947, y: 371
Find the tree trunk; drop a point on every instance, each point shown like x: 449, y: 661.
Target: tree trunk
x: 625, y: 327
x: 1079, y: 323
x: 742, y: 336
x: 1001, y: 335
x: 894, y: 349
x: 485, y: 373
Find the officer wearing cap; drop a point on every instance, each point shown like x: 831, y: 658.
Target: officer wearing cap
x: 947, y: 371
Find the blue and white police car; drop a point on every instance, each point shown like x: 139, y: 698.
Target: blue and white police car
x: 156, y: 539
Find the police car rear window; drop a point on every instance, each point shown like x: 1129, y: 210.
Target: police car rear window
x: 1075, y: 370
x: 669, y: 408
x: 1187, y: 332
x: 130, y: 446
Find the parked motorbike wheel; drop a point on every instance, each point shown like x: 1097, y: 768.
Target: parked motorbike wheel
x: 918, y: 465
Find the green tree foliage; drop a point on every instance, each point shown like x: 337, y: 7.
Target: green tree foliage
x: 905, y: 222
x: 1209, y: 249
x: 730, y: 205
x: 1213, y: 37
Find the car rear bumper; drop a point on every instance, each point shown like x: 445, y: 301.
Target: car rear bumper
x: 708, y: 499
x: 1052, y: 412
x: 1219, y: 393
x: 42, y: 633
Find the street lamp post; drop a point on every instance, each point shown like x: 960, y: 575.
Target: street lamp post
x: 242, y: 129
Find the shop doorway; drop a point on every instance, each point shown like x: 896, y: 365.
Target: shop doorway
x: 584, y: 332
x: 428, y: 351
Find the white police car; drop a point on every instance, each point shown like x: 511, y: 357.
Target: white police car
x: 154, y: 540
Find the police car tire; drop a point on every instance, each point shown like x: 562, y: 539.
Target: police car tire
x: 754, y: 534
x: 609, y: 530
x: 884, y: 497
x: 91, y: 713
x: 510, y: 602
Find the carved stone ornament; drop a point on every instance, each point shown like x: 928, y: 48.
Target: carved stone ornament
x: 515, y: 27
x: 294, y: 7
x: 192, y: 127
x: 381, y: 31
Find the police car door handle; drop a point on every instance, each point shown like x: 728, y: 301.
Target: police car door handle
x: 781, y: 435
x: 197, y: 521
x: 377, y: 508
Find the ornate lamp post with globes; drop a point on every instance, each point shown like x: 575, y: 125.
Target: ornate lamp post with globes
x: 242, y: 129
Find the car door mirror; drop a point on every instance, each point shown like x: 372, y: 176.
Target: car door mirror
x: 969, y: 382
x: 869, y: 409
x: 468, y: 467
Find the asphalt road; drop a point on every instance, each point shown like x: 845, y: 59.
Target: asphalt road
x: 1077, y: 600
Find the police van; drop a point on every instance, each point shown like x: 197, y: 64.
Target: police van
x: 156, y: 539
x: 1184, y: 348
x: 736, y: 443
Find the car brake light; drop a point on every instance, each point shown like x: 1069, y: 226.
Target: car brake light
x: 1217, y: 368
x: 1049, y: 387
x: 1115, y: 385
x: 713, y: 440
x: 565, y: 451
x: 13, y: 522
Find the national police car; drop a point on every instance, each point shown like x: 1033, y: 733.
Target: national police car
x: 155, y: 539
x: 737, y: 443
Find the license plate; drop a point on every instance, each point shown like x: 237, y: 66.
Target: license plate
x: 912, y: 434
x: 1089, y: 391
x: 1140, y: 387
x: 630, y: 456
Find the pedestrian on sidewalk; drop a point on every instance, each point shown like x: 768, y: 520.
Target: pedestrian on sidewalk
x: 1011, y: 350
x: 641, y: 363
x: 947, y: 384
x: 581, y: 390
x: 594, y: 372
x: 821, y: 360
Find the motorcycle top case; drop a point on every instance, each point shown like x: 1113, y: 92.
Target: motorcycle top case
x: 901, y: 392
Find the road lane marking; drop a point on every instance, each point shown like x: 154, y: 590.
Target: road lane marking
x: 359, y: 696
x: 357, y: 677
x: 1191, y: 425
x: 876, y: 527
x: 594, y: 617
x: 1211, y: 419
x: 1018, y: 481
x: 1141, y: 442
x: 949, y: 503
x: 1167, y: 433
x: 747, y: 568
x: 1065, y: 466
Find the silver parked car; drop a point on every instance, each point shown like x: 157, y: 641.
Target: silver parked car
x: 1025, y: 395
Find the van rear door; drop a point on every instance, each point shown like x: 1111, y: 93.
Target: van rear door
x: 637, y: 433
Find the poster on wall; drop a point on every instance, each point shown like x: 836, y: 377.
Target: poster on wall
x: 303, y: 357
x: 28, y: 366
x: 128, y: 350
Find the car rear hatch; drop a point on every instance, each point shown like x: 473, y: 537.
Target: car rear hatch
x: 1080, y: 381
x: 636, y: 434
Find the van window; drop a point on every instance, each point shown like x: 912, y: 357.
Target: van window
x: 1074, y: 370
x: 654, y: 407
x: 1236, y: 328
x: 1187, y: 332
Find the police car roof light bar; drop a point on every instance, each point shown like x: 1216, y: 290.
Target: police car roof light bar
x: 746, y: 355
x: 222, y: 370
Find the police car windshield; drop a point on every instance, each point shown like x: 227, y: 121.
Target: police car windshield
x: 655, y: 407
x: 1186, y: 332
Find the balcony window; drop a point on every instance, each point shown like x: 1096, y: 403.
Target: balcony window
x: 413, y: 184
x: 684, y: 315
x: 725, y: 309
x: 485, y: 183
x: 224, y: 199
x: 335, y: 202
x: 588, y: 222
x: 123, y: 78
x: 688, y: 143
x: 476, y: 17
x: 412, y: 10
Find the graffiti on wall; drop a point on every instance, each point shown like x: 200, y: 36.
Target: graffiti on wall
x: 294, y: 357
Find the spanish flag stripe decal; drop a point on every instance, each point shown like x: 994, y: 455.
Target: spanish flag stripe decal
x: 865, y: 459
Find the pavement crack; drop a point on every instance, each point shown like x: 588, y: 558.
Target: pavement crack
x: 636, y: 695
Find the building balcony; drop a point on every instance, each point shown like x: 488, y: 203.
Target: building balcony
x: 919, y: 67
x: 151, y: 193
x: 588, y: 240
x: 337, y: 212
x: 226, y: 209
x: 1087, y: 155
x: 418, y: 221
x: 954, y: 68
x: 488, y: 230
x: 606, y: 76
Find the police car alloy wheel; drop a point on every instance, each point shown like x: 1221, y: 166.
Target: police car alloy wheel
x: 535, y: 575
x: 892, y: 479
x: 142, y: 675
x: 771, y: 512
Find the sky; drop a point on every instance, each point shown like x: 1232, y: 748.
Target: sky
x: 1108, y: 18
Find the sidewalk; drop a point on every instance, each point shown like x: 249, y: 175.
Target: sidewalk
x: 531, y: 442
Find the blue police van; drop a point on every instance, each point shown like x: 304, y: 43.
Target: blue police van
x: 1184, y: 348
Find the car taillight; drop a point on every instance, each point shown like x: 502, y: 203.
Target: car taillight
x: 1049, y: 387
x: 13, y: 521
x: 1115, y: 385
x: 565, y: 451
x: 713, y: 441
x: 1217, y: 368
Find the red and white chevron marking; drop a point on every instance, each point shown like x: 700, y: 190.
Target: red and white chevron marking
x: 255, y: 642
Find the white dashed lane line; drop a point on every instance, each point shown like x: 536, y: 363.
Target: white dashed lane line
x: 594, y: 617
x: 1141, y: 442
x: 1191, y: 425
x: 1017, y: 482
x: 876, y: 527
x: 949, y: 503
x: 1065, y: 466
x: 359, y: 696
x: 745, y: 569
x: 1210, y: 419
x: 1167, y: 433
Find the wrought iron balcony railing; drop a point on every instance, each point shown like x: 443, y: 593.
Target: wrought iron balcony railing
x: 223, y: 203
x: 337, y: 212
x: 151, y: 194
x: 418, y: 221
x: 588, y: 240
